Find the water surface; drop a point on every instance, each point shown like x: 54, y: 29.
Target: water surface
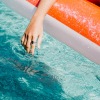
x: 56, y: 72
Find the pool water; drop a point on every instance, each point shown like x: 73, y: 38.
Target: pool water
x: 55, y: 72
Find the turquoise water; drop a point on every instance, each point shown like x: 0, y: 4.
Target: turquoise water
x: 56, y: 72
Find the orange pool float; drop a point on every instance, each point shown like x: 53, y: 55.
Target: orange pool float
x: 77, y: 15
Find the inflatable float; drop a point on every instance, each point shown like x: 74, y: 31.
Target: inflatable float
x: 73, y: 22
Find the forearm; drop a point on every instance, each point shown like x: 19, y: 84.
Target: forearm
x: 43, y: 8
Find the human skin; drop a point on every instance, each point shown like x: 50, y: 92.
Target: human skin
x: 34, y: 31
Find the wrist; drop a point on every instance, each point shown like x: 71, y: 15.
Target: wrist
x: 38, y: 17
x: 36, y: 20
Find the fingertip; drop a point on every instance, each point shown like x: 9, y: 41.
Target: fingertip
x: 38, y: 46
x: 39, y: 41
x: 32, y: 53
x: 22, y: 40
x: 28, y: 50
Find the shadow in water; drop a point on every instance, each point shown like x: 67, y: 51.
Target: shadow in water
x: 36, y: 83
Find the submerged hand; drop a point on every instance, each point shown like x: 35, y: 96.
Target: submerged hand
x: 33, y: 34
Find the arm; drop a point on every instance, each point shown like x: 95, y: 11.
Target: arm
x: 43, y: 8
x: 34, y: 30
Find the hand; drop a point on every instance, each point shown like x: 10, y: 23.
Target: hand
x: 34, y: 30
x: 33, y: 33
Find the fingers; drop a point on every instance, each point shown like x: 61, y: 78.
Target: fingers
x: 22, y: 40
x: 39, y: 40
x: 28, y: 45
x: 34, y: 38
x: 27, y: 39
